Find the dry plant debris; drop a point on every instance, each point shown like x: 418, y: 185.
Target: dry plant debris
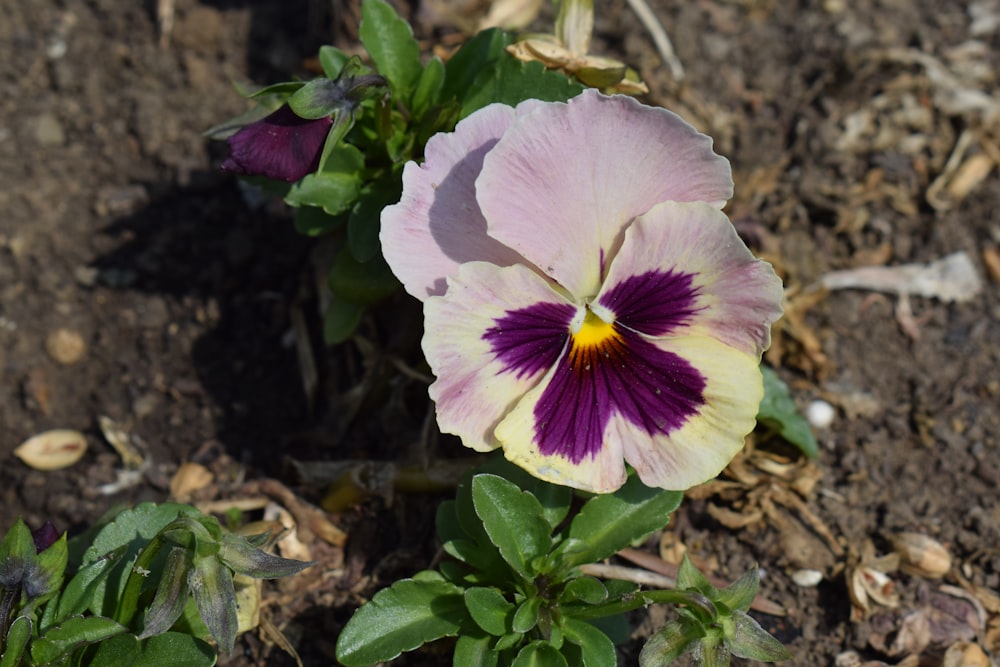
x: 52, y: 450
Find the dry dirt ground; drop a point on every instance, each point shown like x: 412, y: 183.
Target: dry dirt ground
x: 140, y: 284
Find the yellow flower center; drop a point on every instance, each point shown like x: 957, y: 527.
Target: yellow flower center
x: 594, y: 331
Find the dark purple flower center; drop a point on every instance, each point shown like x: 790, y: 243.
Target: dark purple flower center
x: 609, y: 368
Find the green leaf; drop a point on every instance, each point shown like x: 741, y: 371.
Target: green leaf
x: 77, y: 595
x: 119, y: 651
x: 364, y: 222
x: 585, y: 589
x: 554, y: 498
x: 514, y: 521
x: 739, y: 595
x: 476, y: 55
x: 778, y: 411
x: 314, y: 221
x: 239, y: 556
x: 511, y: 81
x: 539, y: 654
x: 472, y: 651
x: 690, y: 578
x: 340, y: 320
x: 389, y: 41
x: 429, y: 87
x: 526, y: 616
x: 171, y: 593
x: 319, y: 98
x: 489, y: 609
x: 446, y: 522
x: 212, y: 587
x: 336, y: 187
x: 283, y: 90
x: 669, y: 643
x: 597, y: 650
x: 361, y: 282
x: 122, y: 540
x: 332, y: 60
x: 18, y: 636
x: 611, y: 522
x: 508, y: 641
x: 71, y: 634
x: 45, y: 575
x: 401, y: 618
x: 17, y: 555
x: 753, y: 642
x: 175, y: 649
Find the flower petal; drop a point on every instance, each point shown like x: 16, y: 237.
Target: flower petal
x: 281, y: 146
x: 565, y: 180
x: 490, y: 338
x: 735, y: 297
x: 437, y: 224
x: 700, y: 448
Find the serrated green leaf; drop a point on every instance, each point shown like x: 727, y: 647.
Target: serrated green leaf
x: 778, y: 411
x: 332, y: 60
x: 555, y: 499
x: 539, y: 654
x: 389, y: 41
x: 514, y: 521
x: 73, y: 633
x: 475, y: 56
x: 490, y: 610
x: 597, y: 649
x: 611, y: 522
x: 753, y: 642
x: 401, y: 618
x: 511, y: 81
x: 475, y: 651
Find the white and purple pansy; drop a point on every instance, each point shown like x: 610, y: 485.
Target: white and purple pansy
x: 587, y: 303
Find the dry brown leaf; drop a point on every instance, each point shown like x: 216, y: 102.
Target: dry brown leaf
x: 119, y: 438
x: 733, y: 519
x: 52, y: 450
x: 965, y: 654
x: 189, y: 478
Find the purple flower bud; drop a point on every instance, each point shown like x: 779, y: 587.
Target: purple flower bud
x: 45, y: 536
x: 281, y: 146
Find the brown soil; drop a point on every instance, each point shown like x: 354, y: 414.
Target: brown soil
x: 839, y: 118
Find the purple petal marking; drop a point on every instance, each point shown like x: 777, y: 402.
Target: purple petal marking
x: 654, y: 302
x: 281, y: 146
x: 530, y: 340
x: 655, y: 390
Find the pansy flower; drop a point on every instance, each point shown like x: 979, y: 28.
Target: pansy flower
x: 282, y: 146
x: 586, y: 301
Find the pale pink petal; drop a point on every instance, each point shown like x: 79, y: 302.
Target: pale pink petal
x: 734, y: 297
x: 437, y: 224
x: 484, y: 367
x: 566, y: 179
x: 698, y: 450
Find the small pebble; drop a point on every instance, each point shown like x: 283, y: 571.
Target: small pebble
x: 49, y: 131
x: 65, y: 346
x: 807, y: 578
x: 820, y: 414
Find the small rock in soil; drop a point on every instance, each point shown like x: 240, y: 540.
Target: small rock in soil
x: 65, y: 346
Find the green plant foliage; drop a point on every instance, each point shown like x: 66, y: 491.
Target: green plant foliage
x: 404, y: 616
x: 514, y: 521
x: 389, y: 41
x: 778, y: 411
